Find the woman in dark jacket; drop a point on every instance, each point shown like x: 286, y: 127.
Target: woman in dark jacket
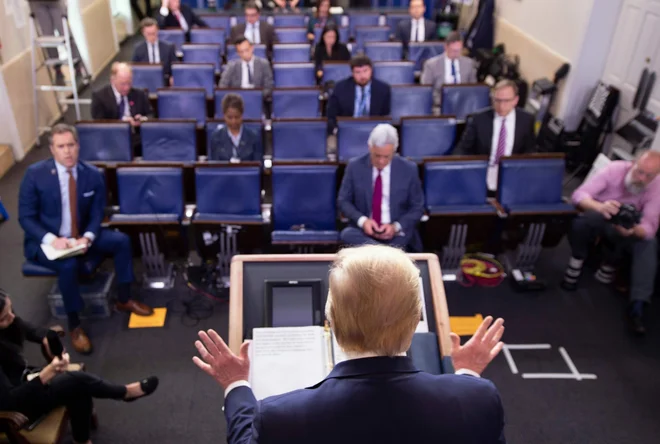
x: 234, y: 141
x: 329, y: 48
x: 54, y: 386
x: 320, y: 19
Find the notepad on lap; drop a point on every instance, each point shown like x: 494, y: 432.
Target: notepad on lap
x: 54, y: 254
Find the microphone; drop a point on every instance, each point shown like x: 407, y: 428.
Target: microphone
x: 54, y: 343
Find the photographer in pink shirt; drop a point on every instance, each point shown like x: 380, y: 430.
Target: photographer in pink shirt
x: 601, y: 198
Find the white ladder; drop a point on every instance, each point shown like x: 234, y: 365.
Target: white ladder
x: 55, y: 41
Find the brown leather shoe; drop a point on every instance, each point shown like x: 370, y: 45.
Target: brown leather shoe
x: 133, y: 306
x: 80, y: 341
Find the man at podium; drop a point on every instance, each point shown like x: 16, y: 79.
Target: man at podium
x: 376, y: 395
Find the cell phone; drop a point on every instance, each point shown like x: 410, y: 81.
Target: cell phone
x: 54, y: 343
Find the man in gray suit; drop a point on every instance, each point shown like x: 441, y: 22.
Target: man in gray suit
x: 381, y: 195
x: 249, y: 71
x: 448, y: 68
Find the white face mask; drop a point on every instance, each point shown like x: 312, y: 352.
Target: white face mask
x: 630, y: 186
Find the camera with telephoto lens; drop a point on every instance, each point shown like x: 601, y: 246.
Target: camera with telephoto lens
x: 627, y: 217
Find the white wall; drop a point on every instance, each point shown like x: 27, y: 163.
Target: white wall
x: 581, y: 31
x: 122, y: 8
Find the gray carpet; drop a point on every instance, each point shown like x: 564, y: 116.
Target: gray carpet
x: 619, y: 407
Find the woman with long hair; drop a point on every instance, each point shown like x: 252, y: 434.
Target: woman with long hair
x: 329, y: 48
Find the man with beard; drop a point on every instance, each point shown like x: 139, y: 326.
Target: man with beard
x: 600, y: 198
x: 359, y: 95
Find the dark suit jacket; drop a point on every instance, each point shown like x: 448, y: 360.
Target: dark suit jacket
x: 406, y: 195
x: 12, y: 364
x: 104, y: 103
x: 170, y: 21
x: 167, y: 53
x: 342, y: 100
x: 267, y: 33
x: 221, y: 145
x: 40, y: 202
x: 340, y: 53
x: 477, y: 138
x: 404, y: 28
x: 371, y: 400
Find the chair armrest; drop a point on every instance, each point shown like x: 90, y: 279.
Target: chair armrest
x: 15, y: 420
x: 500, y: 210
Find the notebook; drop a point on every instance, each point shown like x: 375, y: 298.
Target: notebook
x: 53, y: 254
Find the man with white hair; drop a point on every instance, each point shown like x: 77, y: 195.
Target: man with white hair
x: 601, y: 198
x: 376, y: 395
x: 381, y: 195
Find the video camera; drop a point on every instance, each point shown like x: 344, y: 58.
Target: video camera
x: 627, y: 217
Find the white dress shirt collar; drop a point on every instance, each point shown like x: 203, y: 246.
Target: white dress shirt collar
x: 62, y: 170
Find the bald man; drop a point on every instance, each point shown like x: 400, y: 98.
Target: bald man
x: 119, y: 100
x: 601, y: 198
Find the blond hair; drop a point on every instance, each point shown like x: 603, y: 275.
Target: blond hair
x: 116, y: 67
x: 373, y: 301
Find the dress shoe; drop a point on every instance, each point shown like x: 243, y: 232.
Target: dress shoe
x: 133, y: 306
x: 568, y: 286
x: 80, y: 341
x: 148, y: 386
x: 636, y: 325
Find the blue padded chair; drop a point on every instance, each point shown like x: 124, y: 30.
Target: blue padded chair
x: 87, y: 267
x: 419, y: 53
x: 150, y: 195
x: 415, y: 100
x: 289, y: 21
x: 181, y: 103
x: 259, y: 51
x: 334, y: 72
x: 384, y: 51
x: 216, y: 21
x: 427, y: 136
x: 343, y: 34
x: 291, y: 35
x: 105, y: 141
x: 294, y: 75
x: 169, y: 141
x: 353, y: 134
x: 295, y: 103
x: 300, y: 139
x: 532, y: 186
x: 147, y: 76
x: 304, y: 204
x: 174, y: 35
x: 463, y: 100
x: 208, y: 36
x: 365, y: 34
x: 456, y: 187
x: 256, y: 126
x: 253, y: 102
x: 356, y: 20
x: 228, y: 194
x: 194, y: 75
x: 291, y: 53
x: 203, y: 53
x: 395, y: 73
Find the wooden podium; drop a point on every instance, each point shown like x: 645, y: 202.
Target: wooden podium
x: 248, y: 272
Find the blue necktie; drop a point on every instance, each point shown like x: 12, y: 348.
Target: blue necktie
x: 363, y: 103
x: 122, y: 107
x: 453, y: 71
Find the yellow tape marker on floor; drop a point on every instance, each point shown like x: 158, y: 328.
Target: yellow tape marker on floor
x: 155, y: 320
x: 465, y: 325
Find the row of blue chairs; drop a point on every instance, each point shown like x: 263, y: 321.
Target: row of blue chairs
x: 300, y: 140
x: 415, y: 100
x: 304, y: 196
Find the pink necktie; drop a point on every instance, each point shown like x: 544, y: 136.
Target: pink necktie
x: 501, y: 143
x: 377, y: 198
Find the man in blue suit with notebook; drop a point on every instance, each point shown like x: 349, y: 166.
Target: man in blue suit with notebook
x: 61, y: 204
x: 377, y: 395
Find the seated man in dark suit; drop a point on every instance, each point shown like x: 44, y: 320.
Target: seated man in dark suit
x: 359, y: 95
x: 416, y: 28
x: 254, y: 29
x: 233, y: 141
x: 155, y: 51
x: 120, y: 101
x: 499, y: 131
x: 376, y: 395
x: 61, y: 204
x: 249, y: 71
x: 381, y: 195
x: 173, y: 14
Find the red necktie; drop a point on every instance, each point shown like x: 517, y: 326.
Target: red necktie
x: 377, y: 199
x: 501, y: 143
x: 73, y: 204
